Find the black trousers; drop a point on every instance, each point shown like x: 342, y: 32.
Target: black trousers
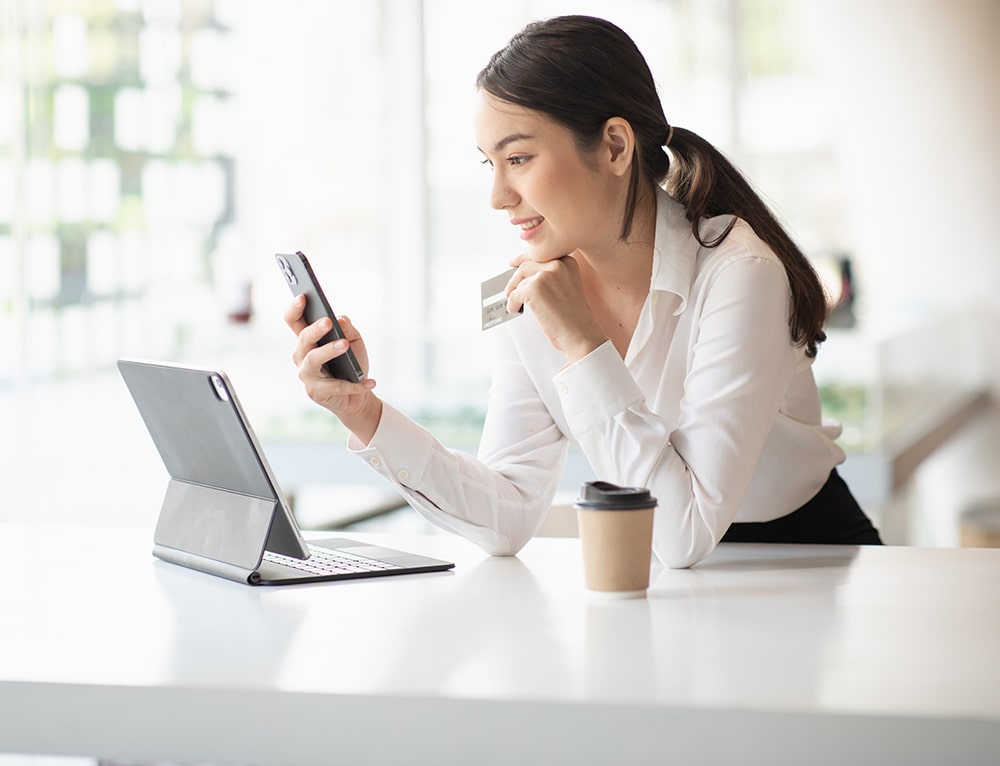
x: 833, y: 516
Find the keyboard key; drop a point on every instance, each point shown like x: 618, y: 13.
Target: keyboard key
x: 323, y: 561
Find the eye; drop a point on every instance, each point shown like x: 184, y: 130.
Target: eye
x: 487, y: 162
x: 518, y: 160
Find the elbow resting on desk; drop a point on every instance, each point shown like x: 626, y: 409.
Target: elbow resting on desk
x: 674, y: 559
x: 496, y: 544
x: 489, y: 540
x: 671, y: 549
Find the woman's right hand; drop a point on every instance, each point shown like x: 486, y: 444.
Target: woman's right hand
x: 354, y: 403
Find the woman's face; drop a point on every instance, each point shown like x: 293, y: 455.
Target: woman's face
x: 560, y: 199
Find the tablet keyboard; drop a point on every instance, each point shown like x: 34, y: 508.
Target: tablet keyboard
x: 323, y: 561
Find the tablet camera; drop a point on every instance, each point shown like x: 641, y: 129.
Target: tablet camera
x: 220, y: 388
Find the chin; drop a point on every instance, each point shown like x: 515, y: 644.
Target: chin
x: 545, y: 255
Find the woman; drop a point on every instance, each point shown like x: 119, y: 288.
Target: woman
x: 670, y: 335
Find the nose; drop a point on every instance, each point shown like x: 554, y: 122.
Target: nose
x: 501, y: 195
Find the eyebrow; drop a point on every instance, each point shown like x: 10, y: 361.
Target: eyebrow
x: 509, y: 140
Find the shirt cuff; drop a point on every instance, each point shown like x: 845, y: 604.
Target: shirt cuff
x: 596, y: 389
x: 399, y: 450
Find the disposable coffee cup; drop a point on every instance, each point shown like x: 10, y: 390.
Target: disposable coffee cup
x: 616, y: 535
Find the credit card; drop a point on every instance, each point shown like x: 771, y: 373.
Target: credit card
x: 495, y: 302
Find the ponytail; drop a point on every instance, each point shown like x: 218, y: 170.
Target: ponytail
x: 707, y: 184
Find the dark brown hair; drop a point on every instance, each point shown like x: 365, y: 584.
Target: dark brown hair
x: 580, y: 71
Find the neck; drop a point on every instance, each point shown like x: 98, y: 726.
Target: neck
x: 616, y: 278
x: 625, y: 268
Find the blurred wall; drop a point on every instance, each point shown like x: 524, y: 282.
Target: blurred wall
x: 915, y: 86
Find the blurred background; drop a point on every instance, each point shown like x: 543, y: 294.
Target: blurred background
x: 156, y: 154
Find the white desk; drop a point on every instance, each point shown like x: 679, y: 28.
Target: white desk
x: 762, y: 654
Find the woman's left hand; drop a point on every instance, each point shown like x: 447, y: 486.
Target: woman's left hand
x: 554, y: 292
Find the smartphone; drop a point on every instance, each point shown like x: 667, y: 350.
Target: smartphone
x: 302, y: 281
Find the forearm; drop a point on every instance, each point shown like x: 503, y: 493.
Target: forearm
x: 697, y: 464
x: 498, y: 504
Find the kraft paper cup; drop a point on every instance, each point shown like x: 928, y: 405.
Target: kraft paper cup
x: 616, y: 535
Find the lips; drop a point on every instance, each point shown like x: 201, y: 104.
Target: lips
x: 528, y: 224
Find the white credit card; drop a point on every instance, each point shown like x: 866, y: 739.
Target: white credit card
x: 495, y: 301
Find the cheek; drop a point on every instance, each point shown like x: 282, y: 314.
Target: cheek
x: 563, y: 193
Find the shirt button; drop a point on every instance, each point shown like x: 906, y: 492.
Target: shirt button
x: 375, y: 462
x: 563, y: 389
x: 403, y: 475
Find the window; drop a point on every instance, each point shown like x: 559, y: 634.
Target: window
x: 155, y: 154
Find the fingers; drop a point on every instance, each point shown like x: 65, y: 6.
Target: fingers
x: 524, y: 270
x: 317, y: 356
x: 308, y: 337
x: 311, y: 368
x: 293, y: 314
x: 350, y: 331
x: 518, y: 291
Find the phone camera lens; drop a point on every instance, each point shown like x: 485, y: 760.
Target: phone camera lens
x: 287, y: 271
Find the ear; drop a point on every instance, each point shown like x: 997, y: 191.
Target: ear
x: 619, y: 141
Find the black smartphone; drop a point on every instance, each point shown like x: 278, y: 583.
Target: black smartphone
x: 302, y: 281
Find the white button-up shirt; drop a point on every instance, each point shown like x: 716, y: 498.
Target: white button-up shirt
x: 713, y: 409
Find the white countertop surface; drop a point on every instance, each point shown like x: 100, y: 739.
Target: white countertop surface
x: 780, y: 654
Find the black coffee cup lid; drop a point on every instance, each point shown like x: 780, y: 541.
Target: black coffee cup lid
x: 605, y: 496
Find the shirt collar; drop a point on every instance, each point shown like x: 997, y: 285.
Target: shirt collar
x: 675, y: 250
